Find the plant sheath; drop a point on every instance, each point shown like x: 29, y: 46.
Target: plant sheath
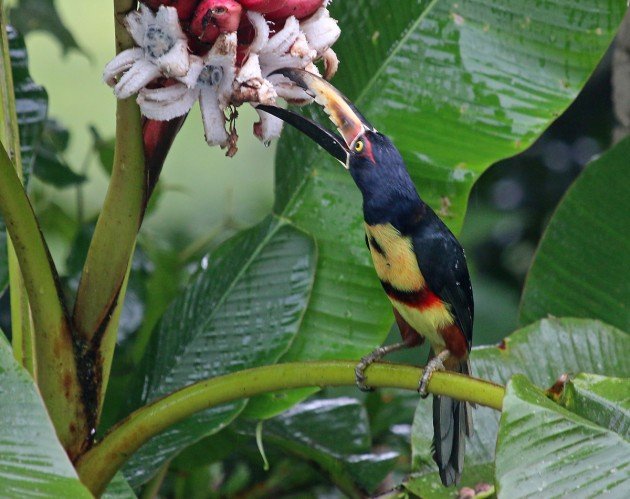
x: 101, y: 288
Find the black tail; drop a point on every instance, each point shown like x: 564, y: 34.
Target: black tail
x: 452, y: 423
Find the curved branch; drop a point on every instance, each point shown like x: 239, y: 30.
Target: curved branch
x: 97, y: 467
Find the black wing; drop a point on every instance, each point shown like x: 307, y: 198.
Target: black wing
x: 443, y: 264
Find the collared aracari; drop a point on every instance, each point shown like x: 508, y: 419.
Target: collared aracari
x: 419, y: 262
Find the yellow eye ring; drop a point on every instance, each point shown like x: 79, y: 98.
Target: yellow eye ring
x: 358, y: 146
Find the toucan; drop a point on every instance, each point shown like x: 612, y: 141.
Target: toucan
x: 419, y: 262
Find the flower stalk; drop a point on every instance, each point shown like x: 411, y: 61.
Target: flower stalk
x: 97, y: 467
x: 101, y: 291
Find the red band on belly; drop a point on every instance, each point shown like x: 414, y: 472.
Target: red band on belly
x: 420, y: 299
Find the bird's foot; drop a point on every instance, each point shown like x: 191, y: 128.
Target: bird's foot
x: 369, y: 359
x: 435, y: 364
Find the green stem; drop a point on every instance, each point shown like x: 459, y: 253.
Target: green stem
x: 152, y: 488
x: 49, y: 335
x: 100, y: 292
x: 22, y: 339
x: 97, y: 467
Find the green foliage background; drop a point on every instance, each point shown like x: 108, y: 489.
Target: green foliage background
x: 458, y: 86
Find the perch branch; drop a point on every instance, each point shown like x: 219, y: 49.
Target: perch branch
x: 97, y: 467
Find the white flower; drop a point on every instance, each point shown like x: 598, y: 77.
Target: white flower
x: 162, y: 51
x: 288, y: 48
x: 209, y: 80
x: 180, y: 79
x: 321, y: 30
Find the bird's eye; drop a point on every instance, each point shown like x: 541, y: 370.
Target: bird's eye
x: 358, y: 146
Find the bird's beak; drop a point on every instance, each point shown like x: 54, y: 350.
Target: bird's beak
x: 350, y: 123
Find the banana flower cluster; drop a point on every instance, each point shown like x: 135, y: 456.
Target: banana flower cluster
x: 222, y: 53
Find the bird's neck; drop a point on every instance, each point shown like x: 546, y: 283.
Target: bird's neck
x: 396, y: 202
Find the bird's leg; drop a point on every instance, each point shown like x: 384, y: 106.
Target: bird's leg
x: 369, y: 359
x: 435, y: 364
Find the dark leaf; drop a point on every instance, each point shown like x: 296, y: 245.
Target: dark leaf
x: 334, y: 433
x: 209, y: 450
x: 55, y: 135
x: 52, y: 170
x: 581, y: 267
x: 4, y: 258
x: 50, y: 167
x: 78, y: 250
x: 242, y: 310
x: 104, y: 149
x: 42, y: 15
x: 31, y: 102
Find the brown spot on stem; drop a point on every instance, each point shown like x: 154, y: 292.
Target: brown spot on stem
x: 67, y: 385
x: 57, y: 347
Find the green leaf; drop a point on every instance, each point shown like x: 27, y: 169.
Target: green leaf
x: 52, y: 170
x: 31, y: 106
x: 32, y: 461
x: 602, y: 400
x: 31, y: 102
x: 457, y: 86
x: 163, y: 284
x: 4, y: 258
x: 242, y: 310
x: 206, y: 451
x: 544, y: 450
x: 543, y: 351
x: 118, y: 488
x: 335, y: 434
x: 42, y: 15
x: 429, y: 485
x: 581, y: 266
x: 50, y: 167
x: 104, y: 149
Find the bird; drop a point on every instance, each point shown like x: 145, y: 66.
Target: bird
x: 419, y: 262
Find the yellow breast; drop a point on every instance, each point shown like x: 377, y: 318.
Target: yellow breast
x: 393, y: 257
x: 396, y: 263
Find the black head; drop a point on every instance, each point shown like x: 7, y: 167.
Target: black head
x: 378, y: 170
x: 374, y: 162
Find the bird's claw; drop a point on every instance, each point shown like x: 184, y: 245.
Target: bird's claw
x: 369, y: 359
x: 359, y: 373
x: 435, y: 364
